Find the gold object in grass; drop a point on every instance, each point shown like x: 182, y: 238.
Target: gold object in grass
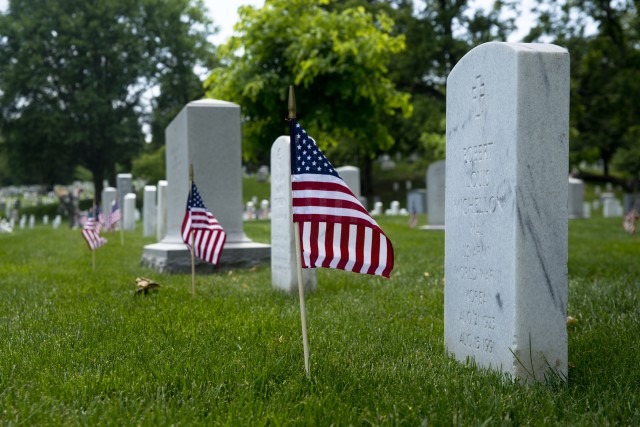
x: 145, y: 285
x: 571, y: 320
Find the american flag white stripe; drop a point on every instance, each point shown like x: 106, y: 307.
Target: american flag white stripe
x: 336, y: 231
x: 335, y: 245
x: 208, y: 234
x: 331, y: 255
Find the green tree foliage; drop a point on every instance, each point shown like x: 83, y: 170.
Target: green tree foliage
x: 603, y: 38
x: 73, y: 74
x: 438, y: 33
x: 338, y: 61
x: 151, y: 166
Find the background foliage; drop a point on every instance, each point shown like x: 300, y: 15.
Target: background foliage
x: 359, y: 66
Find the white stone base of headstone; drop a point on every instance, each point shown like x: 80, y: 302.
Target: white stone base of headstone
x: 284, y: 273
x: 431, y: 227
x: 174, y: 256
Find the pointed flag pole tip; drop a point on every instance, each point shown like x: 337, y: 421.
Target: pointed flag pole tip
x: 191, y: 172
x: 292, y: 103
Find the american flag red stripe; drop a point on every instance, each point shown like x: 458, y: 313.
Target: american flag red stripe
x: 336, y: 231
x: 208, y: 235
x: 91, y: 234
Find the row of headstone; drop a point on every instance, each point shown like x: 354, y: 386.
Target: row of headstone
x: 251, y: 212
x: 612, y: 207
x: 5, y: 226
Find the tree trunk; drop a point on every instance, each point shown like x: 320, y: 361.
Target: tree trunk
x: 366, y: 178
x: 98, y: 178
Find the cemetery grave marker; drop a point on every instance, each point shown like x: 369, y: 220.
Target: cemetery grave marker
x: 506, y: 209
x: 206, y: 134
x: 283, y: 252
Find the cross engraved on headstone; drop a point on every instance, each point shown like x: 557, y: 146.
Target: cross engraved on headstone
x: 477, y: 92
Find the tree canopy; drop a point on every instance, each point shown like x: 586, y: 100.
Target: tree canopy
x: 73, y: 76
x: 338, y: 61
x: 603, y: 38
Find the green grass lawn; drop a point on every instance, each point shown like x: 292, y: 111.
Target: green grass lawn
x: 77, y: 348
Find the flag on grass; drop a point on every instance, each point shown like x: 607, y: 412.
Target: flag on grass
x: 112, y: 217
x: 336, y: 231
x: 91, y: 232
x: 209, y: 237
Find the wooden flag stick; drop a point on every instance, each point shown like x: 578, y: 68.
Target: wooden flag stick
x: 121, y: 223
x: 193, y: 249
x: 95, y: 222
x: 303, y: 314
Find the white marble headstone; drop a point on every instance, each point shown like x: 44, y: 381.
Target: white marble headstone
x: 124, y: 184
x: 377, y: 208
x: 150, y: 213
x: 283, y: 261
x: 32, y: 221
x: 611, y: 207
x: 506, y: 209
x: 161, y: 222
x: 351, y: 176
x: 107, y: 197
x: 129, y: 212
x: 435, y: 196
x: 576, y: 198
x: 207, y: 135
x: 395, y: 208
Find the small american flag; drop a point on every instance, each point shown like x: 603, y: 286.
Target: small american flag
x: 336, y: 231
x: 209, y: 237
x: 630, y: 221
x: 113, y: 217
x: 91, y: 233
